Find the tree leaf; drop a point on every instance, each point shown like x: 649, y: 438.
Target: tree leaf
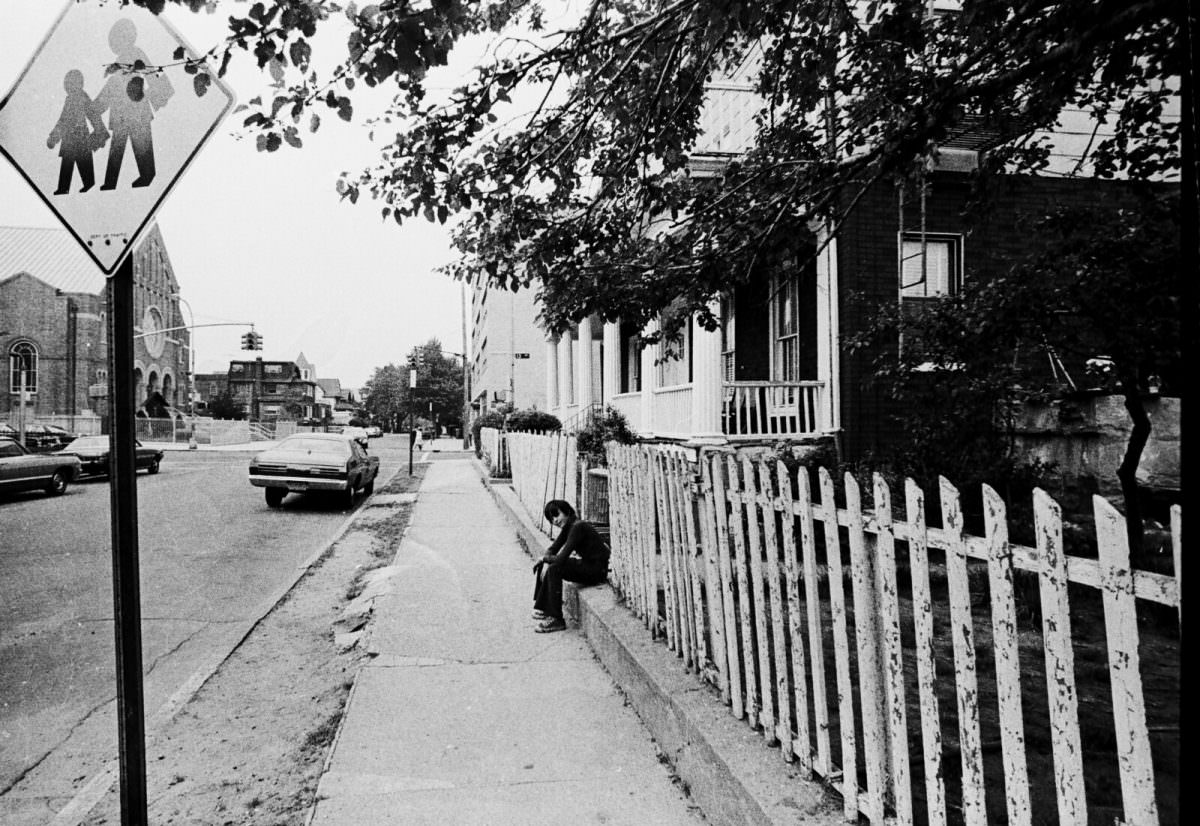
x: 200, y: 84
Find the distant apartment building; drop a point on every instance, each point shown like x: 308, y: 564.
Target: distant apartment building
x: 508, y: 350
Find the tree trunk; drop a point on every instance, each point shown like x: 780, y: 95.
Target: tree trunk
x: 1127, y: 472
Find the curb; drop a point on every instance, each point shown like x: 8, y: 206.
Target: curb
x: 724, y: 765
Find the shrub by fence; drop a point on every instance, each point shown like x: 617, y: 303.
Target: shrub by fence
x: 902, y: 663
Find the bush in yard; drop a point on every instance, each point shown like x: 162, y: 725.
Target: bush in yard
x: 532, y: 421
x: 609, y: 426
x: 492, y: 418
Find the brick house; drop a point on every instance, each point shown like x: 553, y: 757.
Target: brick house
x: 272, y: 390
x: 53, y: 323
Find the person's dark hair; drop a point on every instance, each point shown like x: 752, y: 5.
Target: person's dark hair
x: 557, y: 506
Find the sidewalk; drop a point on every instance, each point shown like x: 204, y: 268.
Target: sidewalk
x: 464, y: 715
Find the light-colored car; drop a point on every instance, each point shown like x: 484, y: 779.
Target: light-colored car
x: 358, y: 434
x: 22, y: 470
x: 374, y: 431
x: 314, y: 462
x: 93, y: 454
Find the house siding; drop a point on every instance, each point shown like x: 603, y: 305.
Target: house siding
x: 868, y: 276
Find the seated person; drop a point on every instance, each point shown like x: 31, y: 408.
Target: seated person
x: 579, y: 554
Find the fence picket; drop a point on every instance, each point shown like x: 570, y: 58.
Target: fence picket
x: 1124, y: 666
x: 728, y: 586
x: 1060, y: 663
x: 666, y: 555
x: 737, y: 526
x: 892, y: 656
x: 801, y: 744
x: 841, y: 646
x: 683, y: 635
x: 812, y: 604
x: 687, y: 483
x: 714, y: 600
x: 649, y: 530
x: 963, y: 633
x: 1007, y: 657
x: 686, y: 565
x: 782, y: 690
x: 766, y: 713
x: 922, y: 597
x: 866, y: 633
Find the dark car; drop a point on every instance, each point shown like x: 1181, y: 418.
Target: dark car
x: 22, y: 470
x: 314, y: 462
x: 93, y: 454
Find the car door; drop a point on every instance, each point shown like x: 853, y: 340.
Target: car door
x: 18, y: 469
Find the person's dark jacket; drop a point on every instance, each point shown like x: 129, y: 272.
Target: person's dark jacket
x: 582, y: 538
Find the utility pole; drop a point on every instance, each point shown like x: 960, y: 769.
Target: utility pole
x: 466, y: 410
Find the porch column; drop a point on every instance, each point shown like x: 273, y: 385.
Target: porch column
x: 564, y: 371
x: 612, y: 362
x: 707, y: 382
x: 828, y: 331
x: 583, y: 361
x: 551, y: 375
x: 649, y: 381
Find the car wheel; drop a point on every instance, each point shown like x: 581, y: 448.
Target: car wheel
x: 275, y: 496
x: 152, y: 468
x: 348, y: 496
x: 369, y: 488
x: 57, y: 485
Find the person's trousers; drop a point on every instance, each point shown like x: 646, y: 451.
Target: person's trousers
x: 547, y: 587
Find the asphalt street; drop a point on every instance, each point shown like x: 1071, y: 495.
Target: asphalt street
x: 211, y: 553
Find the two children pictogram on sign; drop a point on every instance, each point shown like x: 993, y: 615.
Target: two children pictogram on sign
x: 131, y: 94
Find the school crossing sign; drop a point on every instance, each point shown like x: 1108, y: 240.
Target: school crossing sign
x: 103, y: 121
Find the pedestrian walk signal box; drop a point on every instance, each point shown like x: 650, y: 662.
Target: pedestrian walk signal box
x: 252, y: 341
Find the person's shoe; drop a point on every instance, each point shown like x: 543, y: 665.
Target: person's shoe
x: 552, y: 624
x: 143, y: 180
x: 540, y: 615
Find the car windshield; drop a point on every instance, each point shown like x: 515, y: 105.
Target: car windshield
x: 334, y: 447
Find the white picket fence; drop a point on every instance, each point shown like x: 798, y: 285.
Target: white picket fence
x: 494, y: 449
x: 729, y: 568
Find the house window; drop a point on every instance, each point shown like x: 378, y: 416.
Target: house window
x: 631, y: 359
x: 786, y: 309
x: 676, y: 368
x: 728, y: 337
x: 930, y: 269
x: 23, y: 356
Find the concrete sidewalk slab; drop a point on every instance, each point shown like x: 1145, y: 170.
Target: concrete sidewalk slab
x: 464, y: 715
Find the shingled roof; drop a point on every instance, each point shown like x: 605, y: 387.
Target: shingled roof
x: 50, y: 255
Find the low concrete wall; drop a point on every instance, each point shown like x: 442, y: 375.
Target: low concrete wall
x: 1087, y: 436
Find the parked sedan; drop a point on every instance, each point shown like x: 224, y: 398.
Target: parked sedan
x: 314, y: 462
x: 374, y: 431
x: 22, y: 470
x: 93, y: 454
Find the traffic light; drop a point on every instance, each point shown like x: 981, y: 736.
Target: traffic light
x: 247, y: 341
x: 257, y: 340
x: 420, y: 359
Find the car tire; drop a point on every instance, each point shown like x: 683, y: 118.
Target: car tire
x: 348, y: 496
x: 369, y: 488
x: 274, y: 496
x: 57, y: 485
x: 152, y: 468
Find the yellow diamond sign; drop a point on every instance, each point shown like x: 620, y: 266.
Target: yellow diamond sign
x: 103, y: 121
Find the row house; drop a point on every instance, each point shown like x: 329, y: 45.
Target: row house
x: 776, y: 369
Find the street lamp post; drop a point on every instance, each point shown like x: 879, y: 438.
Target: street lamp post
x: 191, y: 370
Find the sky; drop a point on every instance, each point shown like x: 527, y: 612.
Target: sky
x: 265, y: 239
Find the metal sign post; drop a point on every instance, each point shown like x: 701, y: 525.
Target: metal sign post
x: 127, y: 601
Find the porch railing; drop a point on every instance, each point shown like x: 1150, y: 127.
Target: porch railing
x: 758, y: 409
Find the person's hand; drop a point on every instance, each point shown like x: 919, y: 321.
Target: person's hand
x: 50, y: 141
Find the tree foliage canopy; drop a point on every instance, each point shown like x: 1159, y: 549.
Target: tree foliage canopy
x: 853, y: 93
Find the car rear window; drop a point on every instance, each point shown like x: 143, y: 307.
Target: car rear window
x: 336, y: 447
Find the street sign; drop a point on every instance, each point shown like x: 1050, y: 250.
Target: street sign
x: 106, y: 117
